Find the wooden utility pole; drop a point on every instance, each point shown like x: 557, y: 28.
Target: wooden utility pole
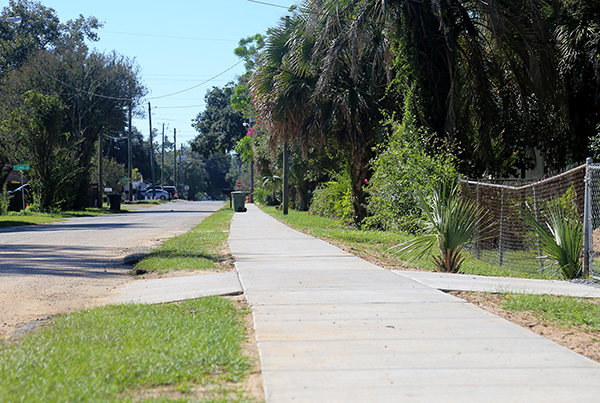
x: 100, y: 187
x: 151, y: 151
x: 175, y: 157
x: 286, y: 174
x: 129, y: 158
x: 162, y: 162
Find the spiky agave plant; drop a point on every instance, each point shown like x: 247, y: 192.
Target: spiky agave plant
x: 450, y: 223
x: 561, y: 238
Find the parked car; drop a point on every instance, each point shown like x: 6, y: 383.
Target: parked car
x: 172, y: 192
x: 158, y: 193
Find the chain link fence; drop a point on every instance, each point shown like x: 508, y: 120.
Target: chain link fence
x: 512, y: 243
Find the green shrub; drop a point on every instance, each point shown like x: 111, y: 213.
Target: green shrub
x: 402, y: 168
x: 4, y: 201
x: 333, y: 199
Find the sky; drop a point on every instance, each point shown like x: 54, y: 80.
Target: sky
x: 178, y: 45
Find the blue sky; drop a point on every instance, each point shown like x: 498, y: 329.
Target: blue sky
x: 177, y: 44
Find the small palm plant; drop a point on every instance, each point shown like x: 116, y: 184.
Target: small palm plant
x: 450, y: 222
x: 561, y: 239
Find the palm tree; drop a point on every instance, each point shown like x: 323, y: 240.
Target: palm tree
x: 281, y: 85
x: 478, y: 74
x: 307, y: 100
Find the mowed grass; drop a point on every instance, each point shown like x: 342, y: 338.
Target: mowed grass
x: 199, y: 249
x: 192, y: 350
x: 374, y: 245
x: 33, y: 218
x: 565, y: 311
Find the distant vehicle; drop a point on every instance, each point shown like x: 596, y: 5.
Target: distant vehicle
x: 173, y: 194
x: 158, y: 193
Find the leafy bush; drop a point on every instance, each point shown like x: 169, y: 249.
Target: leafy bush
x: 4, y: 200
x: 561, y: 235
x: 400, y: 170
x: 333, y: 199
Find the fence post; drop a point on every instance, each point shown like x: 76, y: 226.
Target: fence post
x: 536, y: 207
x: 587, y: 218
x: 478, y: 244
x: 501, y: 241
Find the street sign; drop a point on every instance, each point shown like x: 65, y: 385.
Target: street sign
x: 124, y: 178
x: 23, y: 167
x: 239, y: 184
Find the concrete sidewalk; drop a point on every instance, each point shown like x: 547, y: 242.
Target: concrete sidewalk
x: 468, y: 282
x: 334, y: 328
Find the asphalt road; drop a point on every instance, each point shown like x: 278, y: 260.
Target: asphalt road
x: 56, y: 268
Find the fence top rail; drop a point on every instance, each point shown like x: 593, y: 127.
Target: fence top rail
x: 530, y: 185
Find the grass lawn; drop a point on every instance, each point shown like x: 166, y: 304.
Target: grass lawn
x: 374, y: 245
x: 200, y: 249
x: 31, y: 218
x: 565, y: 311
x: 189, y: 351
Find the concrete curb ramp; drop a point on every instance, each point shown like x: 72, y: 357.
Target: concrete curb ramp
x: 174, y: 289
x: 333, y: 328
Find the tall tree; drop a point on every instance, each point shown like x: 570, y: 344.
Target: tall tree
x: 308, y: 92
x: 96, y: 90
x: 36, y: 136
x: 219, y: 126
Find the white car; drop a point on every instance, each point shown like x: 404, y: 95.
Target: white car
x: 159, y: 194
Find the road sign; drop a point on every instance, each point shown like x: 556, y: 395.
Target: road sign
x: 124, y: 178
x: 239, y: 184
x: 23, y: 167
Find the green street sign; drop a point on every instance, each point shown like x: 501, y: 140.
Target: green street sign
x: 124, y: 178
x: 23, y: 167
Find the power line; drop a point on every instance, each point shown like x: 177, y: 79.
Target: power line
x: 179, y: 107
x: 198, y: 85
x: 170, y: 37
x: 268, y: 4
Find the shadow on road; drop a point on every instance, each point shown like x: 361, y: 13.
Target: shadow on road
x: 66, y: 261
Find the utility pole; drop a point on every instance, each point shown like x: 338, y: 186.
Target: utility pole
x: 100, y: 187
x: 162, y: 162
x: 286, y: 174
x: 175, y: 157
x: 151, y: 151
x: 129, y: 159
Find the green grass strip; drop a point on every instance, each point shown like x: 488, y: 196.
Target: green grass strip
x: 199, y: 249
x: 565, y: 311
x: 375, y: 244
x: 33, y: 218
x: 109, y: 354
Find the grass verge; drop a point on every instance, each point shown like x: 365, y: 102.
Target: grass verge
x: 189, y: 351
x: 374, y: 245
x: 564, y: 311
x: 33, y: 218
x: 203, y: 248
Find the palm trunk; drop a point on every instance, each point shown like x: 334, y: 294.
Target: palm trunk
x: 359, y: 171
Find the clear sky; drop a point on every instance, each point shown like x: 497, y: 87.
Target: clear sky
x: 177, y: 44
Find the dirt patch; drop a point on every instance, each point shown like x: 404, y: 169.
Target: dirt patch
x: 586, y: 343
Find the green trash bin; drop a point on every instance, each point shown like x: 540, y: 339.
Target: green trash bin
x: 115, y: 201
x: 239, y: 201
